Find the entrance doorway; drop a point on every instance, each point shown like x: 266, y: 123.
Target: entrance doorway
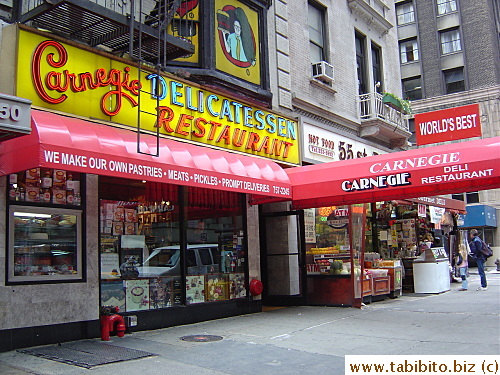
x: 283, y: 258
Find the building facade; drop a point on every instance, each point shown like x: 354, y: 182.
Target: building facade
x: 118, y: 219
x: 330, y: 64
x: 450, y: 58
x: 255, y: 84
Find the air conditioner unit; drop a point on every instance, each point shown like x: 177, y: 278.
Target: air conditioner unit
x: 322, y: 71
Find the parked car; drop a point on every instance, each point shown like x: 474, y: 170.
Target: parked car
x: 165, y: 261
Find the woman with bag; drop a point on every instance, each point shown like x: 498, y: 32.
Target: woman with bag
x: 463, y: 265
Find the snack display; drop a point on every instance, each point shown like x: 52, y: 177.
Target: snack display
x: 44, y: 244
x: 324, y: 250
x: 45, y: 186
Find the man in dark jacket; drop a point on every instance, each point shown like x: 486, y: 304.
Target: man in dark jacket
x: 475, y: 248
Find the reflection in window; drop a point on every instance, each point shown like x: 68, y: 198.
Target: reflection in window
x: 450, y: 41
x: 446, y: 6
x: 454, y: 80
x: 215, y: 248
x: 159, y: 250
x: 409, y: 51
x: 316, y: 20
x: 405, y: 13
x: 412, y: 88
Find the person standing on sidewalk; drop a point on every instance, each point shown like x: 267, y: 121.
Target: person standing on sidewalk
x: 475, y: 247
x: 464, y: 266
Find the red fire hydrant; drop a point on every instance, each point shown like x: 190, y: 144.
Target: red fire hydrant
x: 111, y: 322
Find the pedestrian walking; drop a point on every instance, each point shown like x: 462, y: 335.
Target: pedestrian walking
x: 463, y: 265
x: 475, y: 247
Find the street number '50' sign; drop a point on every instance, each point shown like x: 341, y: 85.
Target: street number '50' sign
x: 10, y: 111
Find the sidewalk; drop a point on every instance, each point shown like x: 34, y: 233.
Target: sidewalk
x: 305, y: 340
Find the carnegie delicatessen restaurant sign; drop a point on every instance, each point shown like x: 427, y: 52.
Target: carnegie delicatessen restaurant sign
x: 63, y: 77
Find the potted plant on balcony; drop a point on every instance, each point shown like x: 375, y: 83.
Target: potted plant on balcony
x: 394, y: 101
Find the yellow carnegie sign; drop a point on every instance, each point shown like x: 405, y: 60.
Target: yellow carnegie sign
x: 60, y: 76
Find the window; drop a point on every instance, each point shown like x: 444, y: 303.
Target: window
x: 454, y: 80
x: 469, y: 198
x: 405, y: 13
x: 472, y: 197
x: 361, y: 63
x: 316, y: 19
x: 446, y: 6
x: 164, y: 245
x: 450, y: 41
x: 45, y: 244
x: 412, y: 88
x: 409, y: 50
x: 45, y: 226
x: 377, y: 66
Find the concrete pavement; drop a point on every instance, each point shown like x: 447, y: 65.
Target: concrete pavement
x: 306, y: 340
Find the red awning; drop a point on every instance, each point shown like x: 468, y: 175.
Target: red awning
x: 452, y: 168
x: 73, y: 144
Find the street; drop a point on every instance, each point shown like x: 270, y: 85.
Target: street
x: 306, y: 340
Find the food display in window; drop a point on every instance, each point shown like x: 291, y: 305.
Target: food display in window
x: 44, y: 244
x: 41, y: 185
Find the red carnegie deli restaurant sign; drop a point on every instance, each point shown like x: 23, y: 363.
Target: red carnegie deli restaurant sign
x: 448, y: 125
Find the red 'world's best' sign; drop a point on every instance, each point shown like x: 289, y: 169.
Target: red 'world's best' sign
x: 448, y: 124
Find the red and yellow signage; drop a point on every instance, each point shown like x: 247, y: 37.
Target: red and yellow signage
x: 72, y: 80
x: 448, y: 124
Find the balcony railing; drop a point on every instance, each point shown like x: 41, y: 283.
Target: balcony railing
x: 372, y: 107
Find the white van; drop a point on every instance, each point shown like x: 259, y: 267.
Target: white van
x: 165, y: 261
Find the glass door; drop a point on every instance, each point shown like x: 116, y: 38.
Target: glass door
x: 283, y: 258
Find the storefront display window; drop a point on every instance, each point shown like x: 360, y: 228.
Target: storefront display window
x: 334, y: 259
x: 140, y: 245
x: 46, y: 186
x: 331, y: 253
x: 215, y: 253
x: 164, y: 245
x: 45, y: 226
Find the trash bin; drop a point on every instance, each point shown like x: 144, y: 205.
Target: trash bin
x: 431, y: 271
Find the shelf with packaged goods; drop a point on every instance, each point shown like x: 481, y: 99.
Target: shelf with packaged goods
x: 45, y: 244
